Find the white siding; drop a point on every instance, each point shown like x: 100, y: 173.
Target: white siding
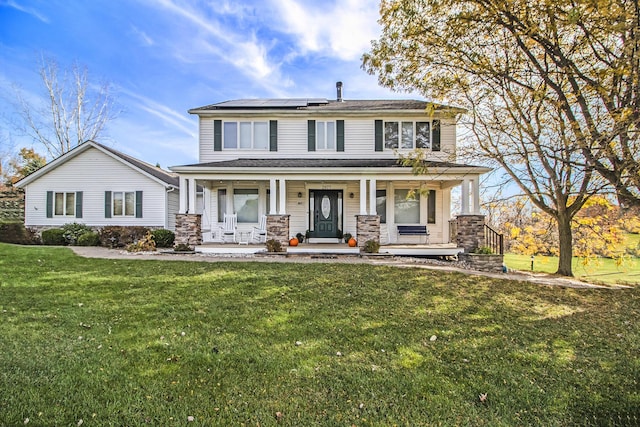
x: 174, y: 208
x: 93, y: 173
x: 292, y: 140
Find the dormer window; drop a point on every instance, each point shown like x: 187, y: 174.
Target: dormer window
x: 246, y: 135
x: 407, y: 135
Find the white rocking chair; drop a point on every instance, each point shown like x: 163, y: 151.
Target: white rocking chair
x: 259, y: 233
x: 228, y: 227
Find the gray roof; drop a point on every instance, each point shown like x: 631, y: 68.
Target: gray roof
x: 167, y: 177
x: 320, y: 104
x: 317, y: 163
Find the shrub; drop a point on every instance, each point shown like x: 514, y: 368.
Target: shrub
x: 146, y: 244
x: 119, y: 237
x: 371, y: 247
x: 73, y: 231
x: 273, y: 246
x: 347, y: 237
x: 89, y: 239
x: 54, y: 237
x: 163, y: 238
x: 484, y: 250
x: 16, y: 232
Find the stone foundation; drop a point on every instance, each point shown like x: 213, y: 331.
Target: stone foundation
x: 188, y: 229
x: 367, y: 228
x: 470, y: 232
x: 483, y: 262
x: 278, y: 228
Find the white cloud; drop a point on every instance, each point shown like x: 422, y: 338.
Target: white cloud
x: 28, y: 10
x: 166, y: 114
x: 209, y: 35
x: 143, y: 37
x: 343, y: 30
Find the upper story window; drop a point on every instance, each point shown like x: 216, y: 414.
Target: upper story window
x: 407, y: 135
x: 246, y: 135
x: 325, y: 135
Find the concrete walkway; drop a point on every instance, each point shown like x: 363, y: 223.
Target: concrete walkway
x: 403, y: 262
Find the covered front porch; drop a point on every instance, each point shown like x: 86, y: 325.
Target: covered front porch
x: 323, y: 201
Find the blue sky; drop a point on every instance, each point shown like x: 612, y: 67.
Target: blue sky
x: 166, y: 56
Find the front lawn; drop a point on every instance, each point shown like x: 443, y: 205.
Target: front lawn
x: 132, y: 342
x: 600, y: 270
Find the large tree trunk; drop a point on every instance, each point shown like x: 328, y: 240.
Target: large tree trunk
x: 565, y: 237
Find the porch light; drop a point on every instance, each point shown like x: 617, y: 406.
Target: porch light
x: 351, y: 195
x: 299, y: 195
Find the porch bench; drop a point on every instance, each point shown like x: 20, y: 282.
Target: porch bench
x: 414, y: 230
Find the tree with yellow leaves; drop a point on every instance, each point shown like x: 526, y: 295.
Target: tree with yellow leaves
x: 552, y: 89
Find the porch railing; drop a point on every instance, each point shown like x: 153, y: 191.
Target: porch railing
x: 494, y: 240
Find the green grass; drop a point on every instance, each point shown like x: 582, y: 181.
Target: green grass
x: 601, y: 270
x: 132, y: 342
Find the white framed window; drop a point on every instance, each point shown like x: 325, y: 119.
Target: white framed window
x: 325, y: 135
x: 245, y: 135
x: 123, y: 203
x: 407, y: 135
x: 406, y: 209
x: 64, y: 204
x: 245, y: 204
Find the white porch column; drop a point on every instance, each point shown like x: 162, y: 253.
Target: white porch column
x: 372, y: 197
x: 272, y: 196
x: 464, y: 195
x: 283, y: 197
x: 183, y: 195
x: 192, y: 196
x: 476, y: 195
x: 363, y: 196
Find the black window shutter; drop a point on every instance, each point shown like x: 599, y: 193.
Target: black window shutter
x: 378, y: 135
x: 273, y: 135
x: 107, y: 204
x: 431, y: 207
x: 138, y: 204
x: 311, y: 135
x: 78, y: 204
x: 217, y: 135
x: 340, y: 135
x: 49, y: 204
x: 435, y: 145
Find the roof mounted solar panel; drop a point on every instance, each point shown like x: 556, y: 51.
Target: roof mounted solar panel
x: 271, y: 103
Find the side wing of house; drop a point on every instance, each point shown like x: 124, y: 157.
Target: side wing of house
x: 96, y: 189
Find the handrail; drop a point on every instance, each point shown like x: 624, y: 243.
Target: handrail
x: 494, y: 240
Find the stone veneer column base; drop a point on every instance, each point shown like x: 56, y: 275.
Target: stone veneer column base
x: 188, y: 229
x: 278, y: 228
x: 470, y: 234
x: 483, y: 262
x: 367, y: 228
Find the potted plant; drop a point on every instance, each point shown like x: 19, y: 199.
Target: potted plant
x: 300, y: 237
x: 347, y: 237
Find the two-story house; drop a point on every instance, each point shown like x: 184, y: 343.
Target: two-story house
x: 323, y: 168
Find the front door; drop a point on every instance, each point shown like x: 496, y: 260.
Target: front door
x: 325, y: 213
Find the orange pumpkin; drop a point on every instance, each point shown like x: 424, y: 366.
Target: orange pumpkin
x: 352, y: 242
x: 293, y: 241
